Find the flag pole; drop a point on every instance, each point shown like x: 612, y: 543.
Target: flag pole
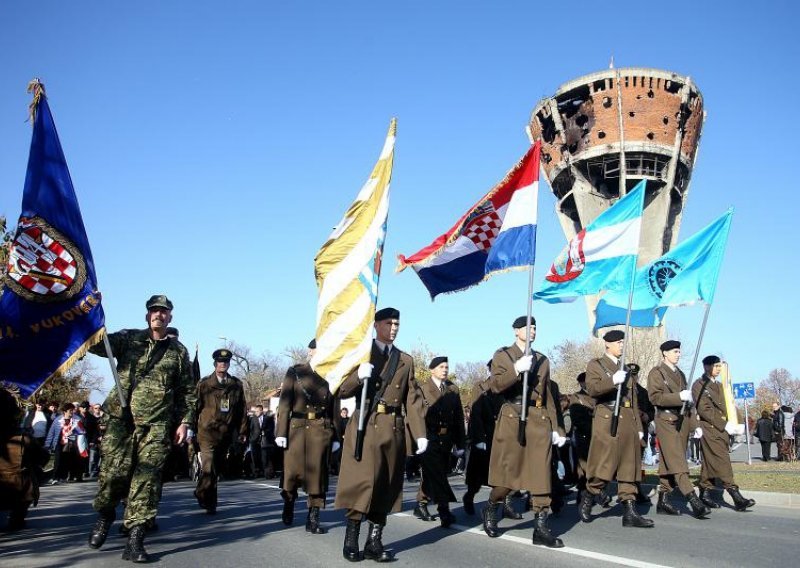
x: 123, y: 401
x: 615, y: 418
x: 679, y: 423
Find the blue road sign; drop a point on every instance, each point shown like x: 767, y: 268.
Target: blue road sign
x: 744, y: 390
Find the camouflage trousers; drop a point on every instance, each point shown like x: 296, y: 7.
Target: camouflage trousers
x: 130, y: 468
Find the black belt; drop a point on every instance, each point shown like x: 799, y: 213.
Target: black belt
x: 675, y: 411
x: 382, y: 408
x: 612, y: 405
x: 309, y: 415
x: 537, y: 402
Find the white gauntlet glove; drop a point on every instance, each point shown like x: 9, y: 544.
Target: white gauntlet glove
x: 641, y: 436
x: 698, y: 433
x: 457, y: 452
x: 523, y: 364
x: 280, y: 441
x: 730, y: 428
x: 335, y: 447
x: 558, y: 441
x: 686, y: 395
x: 618, y: 377
x: 364, y: 371
x: 481, y: 446
x: 422, y: 445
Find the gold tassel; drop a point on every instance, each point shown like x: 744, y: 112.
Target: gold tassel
x: 79, y: 353
x: 37, y: 88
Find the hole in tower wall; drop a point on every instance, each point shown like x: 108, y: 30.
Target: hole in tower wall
x: 650, y: 93
x: 650, y: 136
x: 581, y: 120
x: 665, y: 120
x: 631, y: 114
x: 601, y: 134
x: 548, y: 128
x: 606, y: 102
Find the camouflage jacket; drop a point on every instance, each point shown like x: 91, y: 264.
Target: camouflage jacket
x: 160, y: 393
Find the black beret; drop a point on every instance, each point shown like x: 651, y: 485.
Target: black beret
x: 521, y: 321
x: 158, y: 301
x: 387, y: 313
x: 436, y: 361
x: 633, y: 368
x: 582, y: 378
x: 711, y: 360
x: 614, y: 335
x: 223, y: 355
x: 489, y: 365
x: 670, y: 345
x: 312, y: 344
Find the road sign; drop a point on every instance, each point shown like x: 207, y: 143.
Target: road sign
x: 744, y: 390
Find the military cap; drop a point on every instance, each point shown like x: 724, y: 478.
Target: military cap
x: 711, y: 360
x: 521, y: 321
x: 436, y: 361
x: 581, y: 378
x: 614, y: 335
x: 158, y: 301
x: 312, y: 344
x: 223, y: 355
x: 387, y: 313
x: 670, y: 345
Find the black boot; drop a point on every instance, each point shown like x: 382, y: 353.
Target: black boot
x: 641, y: 498
x: 542, y: 534
x: 632, y: 518
x: 699, y: 510
x: 490, y: 520
x: 508, y: 508
x: 421, y: 511
x: 705, y: 497
x: 350, y: 548
x: 100, y: 530
x: 373, y: 549
x: 664, y: 507
x: 739, y: 502
x: 287, y: 516
x: 604, y: 499
x: 446, y: 518
x: 134, y: 549
x: 469, y: 503
x: 312, y: 522
x: 585, y: 506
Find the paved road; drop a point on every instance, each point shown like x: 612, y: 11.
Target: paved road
x: 247, y: 530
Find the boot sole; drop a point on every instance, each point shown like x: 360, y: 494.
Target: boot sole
x: 637, y: 526
x: 557, y: 544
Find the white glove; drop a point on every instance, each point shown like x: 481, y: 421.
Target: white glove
x: 739, y: 430
x: 457, y: 452
x: 189, y: 433
x: 558, y: 440
x: 481, y: 446
x: 686, y: 395
x: 422, y: 445
x: 618, y: 377
x: 335, y: 447
x: 364, y: 371
x: 730, y: 428
x: 523, y: 364
x: 698, y: 433
x: 280, y: 441
x: 641, y: 436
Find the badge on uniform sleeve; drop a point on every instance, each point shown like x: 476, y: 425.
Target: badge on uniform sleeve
x: 225, y: 405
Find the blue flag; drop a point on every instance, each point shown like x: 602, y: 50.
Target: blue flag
x: 50, y: 311
x: 685, y: 275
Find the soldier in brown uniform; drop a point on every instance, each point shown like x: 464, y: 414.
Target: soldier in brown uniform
x: 305, y: 431
x: 668, y: 390
x: 512, y: 465
x: 714, y: 440
x: 373, y: 486
x: 617, y: 456
x: 221, y: 415
x: 581, y: 411
x: 444, y: 422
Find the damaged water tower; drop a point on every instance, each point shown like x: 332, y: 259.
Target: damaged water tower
x: 647, y: 119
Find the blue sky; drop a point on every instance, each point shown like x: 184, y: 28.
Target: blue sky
x: 214, y: 145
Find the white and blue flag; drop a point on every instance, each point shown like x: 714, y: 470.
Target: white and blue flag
x: 685, y: 275
x: 600, y: 257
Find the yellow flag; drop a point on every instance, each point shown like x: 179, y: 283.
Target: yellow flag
x: 348, y: 268
x: 727, y: 391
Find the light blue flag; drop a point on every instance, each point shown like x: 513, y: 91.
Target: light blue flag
x: 685, y: 275
x: 602, y: 256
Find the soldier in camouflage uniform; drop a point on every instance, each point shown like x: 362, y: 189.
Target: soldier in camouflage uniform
x: 155, y: 374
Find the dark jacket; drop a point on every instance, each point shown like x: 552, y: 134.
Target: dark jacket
x: 778, y: 425
x: 764, y: 430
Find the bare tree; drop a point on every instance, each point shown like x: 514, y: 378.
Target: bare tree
x: 75, y: 385
x: 296, y: 354
x: 471, y: 373
x: 779, y: 386
x: 568, y: 360
x: 259, y: 373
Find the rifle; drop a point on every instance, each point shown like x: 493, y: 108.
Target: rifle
x: 615, y: 418
x: 523, y: 413
x: 684, y: 408
x: 391, y: 368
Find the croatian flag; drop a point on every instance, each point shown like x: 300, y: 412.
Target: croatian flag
x: 496, y: 234
x: 600, y: 257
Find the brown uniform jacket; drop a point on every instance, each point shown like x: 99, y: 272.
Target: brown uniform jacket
x: 21, y: 460
x: 214, y: 424
x: 619, y: 456
x: 305, y: 419
x: 712, y: 419
x: 375, y: 484
x: 663, y: 387
x: 511, y: 465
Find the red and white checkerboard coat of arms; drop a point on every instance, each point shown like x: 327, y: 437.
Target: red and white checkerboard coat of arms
x: 483, y: 227
x: 43, y: 265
